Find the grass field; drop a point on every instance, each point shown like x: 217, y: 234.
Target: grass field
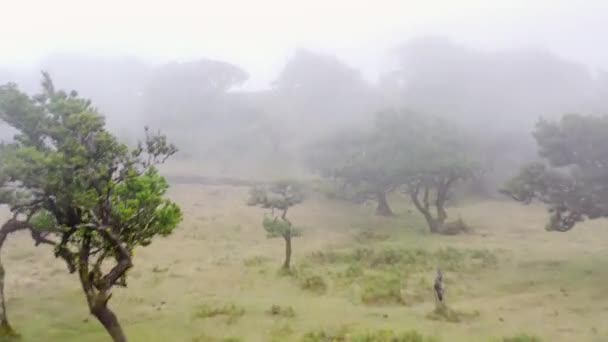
x: 216, y: 277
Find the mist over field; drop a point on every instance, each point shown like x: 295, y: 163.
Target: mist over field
x: 393, y: 141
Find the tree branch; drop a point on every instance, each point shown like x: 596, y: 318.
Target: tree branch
x: 123, y: 258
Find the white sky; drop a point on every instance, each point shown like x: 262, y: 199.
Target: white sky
x: 259, y: 34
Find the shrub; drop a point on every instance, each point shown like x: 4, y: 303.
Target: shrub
x: 280, y: 332
x: 232, y: 311
x: 373, y: 336
x: 255, y: 261
x: 314, y: 283
x: 390, y: 336
x: 277, y: 310
x: 383, y: 288
x: 445, y: 314
x: 521, y: 338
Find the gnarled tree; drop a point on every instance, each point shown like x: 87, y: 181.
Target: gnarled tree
x: 573, y: 178
x: 281, y: 196
x: 104, y: 199
x: 432, y: 155
x: 362, y: 164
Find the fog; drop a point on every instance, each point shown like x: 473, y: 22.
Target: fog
x: 245, y: 83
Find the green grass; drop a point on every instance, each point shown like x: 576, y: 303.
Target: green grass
x: 513, y: 277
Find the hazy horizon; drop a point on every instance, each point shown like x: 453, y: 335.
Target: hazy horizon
x: 261, y: 36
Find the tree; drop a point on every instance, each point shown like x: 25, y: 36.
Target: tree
x: 103, y: 200
x: 423, y: 155
x: 317, y: 92
x: 361, y: 163
x: 281, y: 196
x: 431, y: 155
x: 572, y: 180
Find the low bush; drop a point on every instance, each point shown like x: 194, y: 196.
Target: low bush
x: 314, y: 283
x: 277, y: 310
x: 232, y: 312
x: 521, y: 338
x: 370, y: 336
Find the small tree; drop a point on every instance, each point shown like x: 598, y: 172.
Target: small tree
x: 280, y: 196
x: 103, y: 198
x: 573, y: 178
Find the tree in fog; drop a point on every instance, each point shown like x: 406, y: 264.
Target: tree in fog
x: 319, y: 93
x: 432, y: 155
x: 424, y: 155
x: 494, y: 94
x: 102, y: 199
x: 278, y: 196
x: 573, y: 178
x: 360, y: 165
x: 192, y: 101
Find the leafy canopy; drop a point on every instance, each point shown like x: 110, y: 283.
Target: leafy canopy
x: 100, y: 198
x: 402, y: 148
x: 573, y: 178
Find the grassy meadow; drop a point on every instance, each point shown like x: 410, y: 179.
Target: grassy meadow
x: 216, y: 278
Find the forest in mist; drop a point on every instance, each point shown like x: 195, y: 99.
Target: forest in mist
x: 496, y: 95
x: 387, y: 192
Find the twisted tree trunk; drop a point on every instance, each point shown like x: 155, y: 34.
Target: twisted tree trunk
x: 287, y: 263
x: 108, y: 319
x: 10, y: 226
x: 383, y: 209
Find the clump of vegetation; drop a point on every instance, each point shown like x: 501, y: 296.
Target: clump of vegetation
x: 313, y: 283
x: 280, y: 332
x: 325, y: 335
x: 445, y: 314
x: 371, y: 236
x: 382, y: 288
x: 231, y: 311
x: 207, y: 338
x: 409, y: 259
x: 369, y: 336
x: 7, y: 334
x: 277, y: 310
x: 255, y: 261
x: 391, y: 336
x: 382, y: 274
x: 520, y: 338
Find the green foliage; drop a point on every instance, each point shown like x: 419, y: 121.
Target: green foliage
x: 382, y: 288
x: 277, y: 195
x: 7, y: 334
x: 96, y: 197
x: 43, y: 220
x: 278, y: 227
x: 278, y: 310
x: 231, y: 311
x: 520, y: 338
x: 574, y: 183
x: 445, y: 314
x: 388, y: 275
x: 81, y: 179
x: 449, y: 258
x: 255, y: 261
x: 313, y: 283
x: 390, y: 336
x: 422, y: 155
x: 207, y: 338
x: 369, y: 336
